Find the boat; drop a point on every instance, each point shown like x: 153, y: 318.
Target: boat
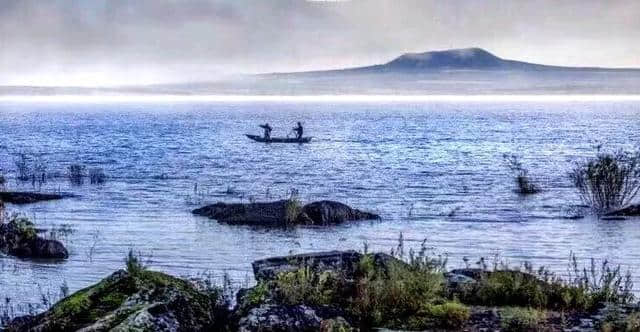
x: 279, y: 139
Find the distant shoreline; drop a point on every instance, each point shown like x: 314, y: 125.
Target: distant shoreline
x: 355, y: 98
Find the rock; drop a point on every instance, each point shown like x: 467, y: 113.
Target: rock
x: 281, y: 318
x: 16, y: 197
x: 629, y: 211
x: 294, y: 318
x: 18, y: 238
x: 330, y: 212
x: 267, y: 213
x: 140, y: 301
x: 344, y: 263
x: 283, y: 213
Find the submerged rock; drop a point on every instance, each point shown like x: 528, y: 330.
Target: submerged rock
x: 140, y: 301
x: 283, y: 213
x: 19, y: 238
x: 629, y: 211
x: 16, y: 197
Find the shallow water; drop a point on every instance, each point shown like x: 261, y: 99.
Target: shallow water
x: 432, y: 170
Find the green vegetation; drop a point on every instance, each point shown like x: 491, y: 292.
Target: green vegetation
x: 523, y: 181
x: 515, y: 319
x: 584, y: 290
x: 25, y: 227
x: 609, y: 181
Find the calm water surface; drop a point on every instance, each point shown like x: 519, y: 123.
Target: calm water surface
x: 432, y: 170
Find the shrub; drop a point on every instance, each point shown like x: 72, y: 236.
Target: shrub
x: 305, y: 286
x: 391, y: 296
x: 524, y: 184
x: 522, y: 319
x: 133, y: 262
x: 609, y: 181
x: 451, y: 315
x: 76, y: 174
x: 97, y: 176
x: 583, y: 290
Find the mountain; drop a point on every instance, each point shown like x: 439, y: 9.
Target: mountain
x: 467, y: 59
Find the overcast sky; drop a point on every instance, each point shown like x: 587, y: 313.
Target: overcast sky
x: 103, y: 42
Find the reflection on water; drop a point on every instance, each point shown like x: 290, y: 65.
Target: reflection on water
x: 432, y: 170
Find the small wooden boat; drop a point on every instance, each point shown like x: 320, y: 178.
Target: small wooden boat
x: 279, y: 139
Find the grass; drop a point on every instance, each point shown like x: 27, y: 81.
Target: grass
x: 609, y: 181
x: 514, y: 319
x: 292, y: 208
x: 522, y: 179
x: 584, y: 290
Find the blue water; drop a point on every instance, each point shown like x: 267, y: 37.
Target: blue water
x: 432, y: 170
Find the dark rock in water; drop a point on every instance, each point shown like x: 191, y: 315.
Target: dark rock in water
x: 141, y: 301
x: 16, y: 197
x: 268, y: 213
x: 329, y: 212
x: 294, y: 318
x: 342, y: 262
x: 629, y: 211
x: 18, y: 238
x: 283, y: 213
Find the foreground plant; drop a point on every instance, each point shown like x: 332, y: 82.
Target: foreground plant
x: 609, y: 181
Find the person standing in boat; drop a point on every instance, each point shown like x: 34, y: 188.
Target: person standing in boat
x: 267, y: 131
x: 299, y: 131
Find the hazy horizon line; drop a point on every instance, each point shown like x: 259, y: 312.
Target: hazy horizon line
x: 322, y: 98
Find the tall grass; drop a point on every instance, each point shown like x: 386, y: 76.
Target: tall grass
x: 608, y: 181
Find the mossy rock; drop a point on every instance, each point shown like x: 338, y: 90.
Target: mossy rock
x: 144, y: 301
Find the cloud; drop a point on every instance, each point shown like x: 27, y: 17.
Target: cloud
x: 143, y: 41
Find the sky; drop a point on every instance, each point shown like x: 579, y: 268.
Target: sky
x: 129, y: 42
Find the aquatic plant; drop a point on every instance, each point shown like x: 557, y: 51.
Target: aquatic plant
x: 522, y: 179
x: 608, y: 181
x: 293, y: 207
x: 76, y: 174
x: 97, y: 176
x: 22, y: 166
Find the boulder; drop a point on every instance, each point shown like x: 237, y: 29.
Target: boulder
x: 283, y: 213
x: 629, y: 211
x: 140, y: 301
x: 330, y: 212
x: 18, y: 238
x: 264, y: 213
x: 344, y: 263
x: 16, y: 197
x: 280, y: 318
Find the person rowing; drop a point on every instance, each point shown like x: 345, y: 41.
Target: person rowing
x: 299, y: 130
x: 267, y: 131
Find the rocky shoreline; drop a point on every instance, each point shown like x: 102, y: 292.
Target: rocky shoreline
x: 340, y: 291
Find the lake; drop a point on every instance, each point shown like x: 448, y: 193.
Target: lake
x: 433, y: 170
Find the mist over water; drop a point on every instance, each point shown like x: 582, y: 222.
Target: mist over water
x: 433, y: 170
